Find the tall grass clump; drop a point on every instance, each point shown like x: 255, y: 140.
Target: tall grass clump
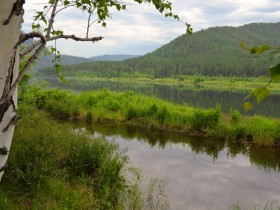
x: 202, y: 119
x: 264, y: 131
x: 235, y: 117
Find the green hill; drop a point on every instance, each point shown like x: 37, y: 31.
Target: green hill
x: 46, y: 60
x: 215, y: 51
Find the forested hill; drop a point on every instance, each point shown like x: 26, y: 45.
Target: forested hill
x: 46, y: 60
x: 214, y: 51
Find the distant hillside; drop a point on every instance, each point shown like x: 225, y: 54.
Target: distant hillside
x: 46, y: 60
x: 214, y: 51
x: 112, y: 57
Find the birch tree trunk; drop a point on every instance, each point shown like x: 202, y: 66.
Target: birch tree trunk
x: 10, y: 29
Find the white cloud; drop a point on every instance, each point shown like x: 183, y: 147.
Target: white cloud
x: 142, y: 29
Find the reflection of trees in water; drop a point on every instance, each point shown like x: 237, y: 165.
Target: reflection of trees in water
x: 265, y: 158
x: 180, y: 95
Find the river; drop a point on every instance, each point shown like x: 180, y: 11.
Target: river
x: 200, y: 173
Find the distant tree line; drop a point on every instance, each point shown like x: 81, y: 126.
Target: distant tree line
x: 212, y: 52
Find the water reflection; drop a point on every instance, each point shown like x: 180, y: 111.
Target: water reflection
x: 267, y: 159
x: 193, y: 96
x: 200, y: 173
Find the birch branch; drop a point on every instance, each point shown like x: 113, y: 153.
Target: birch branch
x: 28, y: 49
x: 51, y: 21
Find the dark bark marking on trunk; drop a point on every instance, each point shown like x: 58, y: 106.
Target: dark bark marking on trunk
x: 17, y: 9
x: 4, y: 151
x: 3, y: 168
x: 5, y: 107
x: 12, y: 122
x: 8, y: 101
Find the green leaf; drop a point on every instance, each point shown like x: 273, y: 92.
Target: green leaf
x: 263, y: 49
x: 247, y: 105
x: 253, y: 50
x: 243, y: 45
x: 66, y: 2
x: 275, y: 73
x: 258, y: 50
x: 261, y: 93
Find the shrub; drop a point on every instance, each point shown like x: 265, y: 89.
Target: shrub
x: 162, y: 115
x: 181, y: 79
x: 89, y: 116
x: 235, y: 116
x: 152, y: 110
x: 110, y: 104
x: 197, y: 80
x: 202, y: 119
x: 131, y: 113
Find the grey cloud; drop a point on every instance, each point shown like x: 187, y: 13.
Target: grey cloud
x: 212, y: 10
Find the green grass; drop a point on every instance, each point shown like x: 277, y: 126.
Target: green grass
x: 53, y: 167
x: 242, y: 206
x: 204, y: 82
x: 153, y: 113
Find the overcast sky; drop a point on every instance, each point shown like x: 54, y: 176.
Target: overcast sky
x: 141, y: 29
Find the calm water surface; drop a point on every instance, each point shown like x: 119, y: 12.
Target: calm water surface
x: 200, y: 173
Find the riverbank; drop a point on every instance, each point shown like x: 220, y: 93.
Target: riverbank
x: 52, y: 167
x: 240, y: 84
x: 135, y: 109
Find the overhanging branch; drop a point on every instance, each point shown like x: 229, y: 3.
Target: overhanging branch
x: 29, y: 48
x: 92, y: 39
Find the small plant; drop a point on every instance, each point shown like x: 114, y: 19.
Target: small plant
x: 162, y: 115
x: 197, y: 80
x: 131, y: 113
x: 202, y: 119
x: 181, y: 79
x: 89, y: 116
x: 235, y: 116
x: 152, y: 110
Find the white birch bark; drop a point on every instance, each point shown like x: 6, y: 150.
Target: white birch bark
x: 9, y: 36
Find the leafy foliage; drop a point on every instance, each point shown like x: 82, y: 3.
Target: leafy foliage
x: 259, y: 94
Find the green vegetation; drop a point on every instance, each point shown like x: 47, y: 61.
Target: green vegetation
x: 199, y: 82
x: 212, y: 52
x: 52, y: 167
x: 135, y: 109
x: 242, y: 206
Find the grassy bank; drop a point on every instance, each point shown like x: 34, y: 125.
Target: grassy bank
x: 52, y: 167
x: 131, y: 108
x: 214, y: 83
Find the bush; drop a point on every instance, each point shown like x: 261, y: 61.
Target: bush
x: 152, y: 110
x: 202, y: 119
x: 131, y: 113
x: 162, y: 115
x: 235, y: 116
x: 197, y: 80
x: 89, y: 116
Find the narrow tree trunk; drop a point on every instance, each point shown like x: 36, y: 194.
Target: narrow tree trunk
x: 10, y: 26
